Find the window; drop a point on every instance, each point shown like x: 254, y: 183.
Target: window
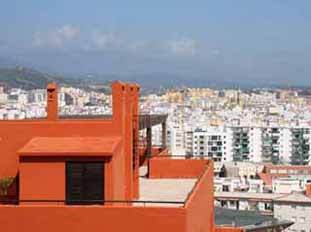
x: 302, y: 220
x: 84, y: 183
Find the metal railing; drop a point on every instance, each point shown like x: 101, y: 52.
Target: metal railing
x: 92, y: 202
x: 205, y: 157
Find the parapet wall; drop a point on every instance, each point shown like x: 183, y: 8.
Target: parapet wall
x: 91, y: 218
x: 166, y: 167
x: 196, y: 215
x: 200, y: 202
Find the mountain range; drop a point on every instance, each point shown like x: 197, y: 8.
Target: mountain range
x: 151, y: 73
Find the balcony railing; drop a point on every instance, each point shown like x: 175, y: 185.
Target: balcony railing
x: 91, y: 202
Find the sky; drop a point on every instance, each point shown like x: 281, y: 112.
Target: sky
x: 243, y: 40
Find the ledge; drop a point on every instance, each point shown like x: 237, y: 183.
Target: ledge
x: 71, y: 146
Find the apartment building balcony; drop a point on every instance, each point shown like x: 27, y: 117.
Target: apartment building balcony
x: 296, y: 142
x: 266, y: 144
x: 275, y: 136
x: 245, y: 151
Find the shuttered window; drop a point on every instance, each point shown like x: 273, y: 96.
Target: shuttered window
x: 84, y: 183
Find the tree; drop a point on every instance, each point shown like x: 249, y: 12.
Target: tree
x: 5, y: 183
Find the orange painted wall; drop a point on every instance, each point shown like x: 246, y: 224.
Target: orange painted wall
x: 91, y: 218
x: 163, y: 167
x: 196, y: 215
x: 158, y: 151
x: 155, y: 152
x: 16, y: 133
x: 118, y: 182
x: 308, y: 189
x: 42, y: 180
x: 200, y: 203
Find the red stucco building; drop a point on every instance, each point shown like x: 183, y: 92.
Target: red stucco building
x: 73, y: 174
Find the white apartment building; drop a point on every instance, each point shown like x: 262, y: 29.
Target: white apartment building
x: 213, y: 143
x: 255, y: 185
x: 243, y: 170
x: 277, y: 145
x: 295, y: 207
x: 175, y: 141
x: 287, y: 185
x: 255, y: 144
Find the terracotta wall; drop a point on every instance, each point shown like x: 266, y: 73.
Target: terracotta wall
x: 14, y: 134
x: 197, y: 215
x: 308, y: 189
x: 90, y: 218
x: 200, y: 203
x: 155, y: 152
x: 164, y: 167
x: 159, y: 151
x: 117, y: 181
x: 42, y: 180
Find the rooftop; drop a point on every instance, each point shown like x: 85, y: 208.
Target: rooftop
x: 164, y: 191
x: 248, y: 195
x: 296, y: 197
x: 249, y: 220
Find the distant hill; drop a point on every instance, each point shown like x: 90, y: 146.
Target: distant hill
x: 29, y: 78
x: 26, y: 78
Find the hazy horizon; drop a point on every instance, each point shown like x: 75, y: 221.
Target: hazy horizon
x: 232, y: 41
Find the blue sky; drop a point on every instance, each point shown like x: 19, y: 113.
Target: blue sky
x: 269, y: 39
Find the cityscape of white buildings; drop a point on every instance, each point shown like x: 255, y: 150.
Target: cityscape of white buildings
x: 225, y: 125
x: 230, y: 125
x: 21, y: 104
x: 243, y: 132
x: 282, y: 191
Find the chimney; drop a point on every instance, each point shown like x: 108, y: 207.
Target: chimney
x: 52, y: 102
x: 308, y: 189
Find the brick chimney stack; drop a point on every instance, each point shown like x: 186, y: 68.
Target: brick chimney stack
x: 52, y: 102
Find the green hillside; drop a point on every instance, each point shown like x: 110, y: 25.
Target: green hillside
x: 26, y: 78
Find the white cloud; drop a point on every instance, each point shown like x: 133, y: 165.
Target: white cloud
x: 70, y: 35
x: 69, y: 32
x: 183, y: 46
x: 56, y: 38
x: 105, y: 41
x: 215, y: 52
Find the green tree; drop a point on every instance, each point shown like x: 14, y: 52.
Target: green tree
x: 5, y: 183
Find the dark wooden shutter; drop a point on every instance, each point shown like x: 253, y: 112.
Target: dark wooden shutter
x: 84, y: 182
x: 93, y: 181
